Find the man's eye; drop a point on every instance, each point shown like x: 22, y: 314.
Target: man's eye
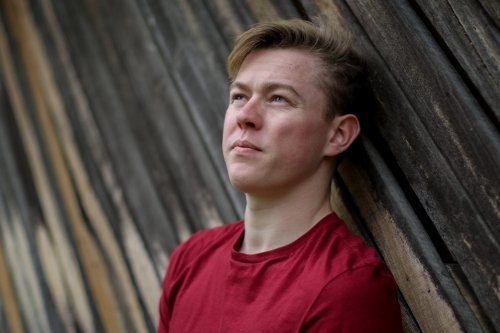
x: 278, y: 99
x: 237, y: 97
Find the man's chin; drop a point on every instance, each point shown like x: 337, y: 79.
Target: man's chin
x: 247, y: 184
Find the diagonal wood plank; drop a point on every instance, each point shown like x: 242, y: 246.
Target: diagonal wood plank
x: 8, y: 299
x: 66, y: 255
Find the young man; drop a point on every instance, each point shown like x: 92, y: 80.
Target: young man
x: 291, y: 265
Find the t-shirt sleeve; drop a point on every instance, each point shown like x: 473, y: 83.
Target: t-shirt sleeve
x: 164, y: 306
x: 360, y: 300
x: 164, y: 322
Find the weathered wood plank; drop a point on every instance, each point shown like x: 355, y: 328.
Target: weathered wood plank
x: 186, y: 184
x: 456, y: 122
x: 428, y: 288
x: 123, y: 148
x: 10, y: 314
x: 17, y: 248
x: 66, y: 255
x: 142, y: 268
x: 472, y: 42
x: 409, y: 324
x: 271, y: 10
x: 342, y: 204
x: 466, y: 290
x: 92, y: 261
x: 8, y: 303
x: 125, y: 293
x: 345, y: 209
x: 198, y: 74
x: 17, y: 228
x: 390, y: 98
x: 492, y: 7
x: 413, y: 148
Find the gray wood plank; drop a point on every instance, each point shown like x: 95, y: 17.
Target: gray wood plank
x: 414, y: 148
x: 492, y: 7
x: 471, y: 42
x: 193, y: 58
x: 424, y: 280
x: 455, y: 121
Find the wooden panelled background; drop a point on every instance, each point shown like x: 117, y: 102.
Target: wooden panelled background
x: 111, y: 117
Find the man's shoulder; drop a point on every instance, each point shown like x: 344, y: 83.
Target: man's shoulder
x: 342, y: 250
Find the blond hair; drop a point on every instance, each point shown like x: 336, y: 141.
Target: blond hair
x: 342, y: 66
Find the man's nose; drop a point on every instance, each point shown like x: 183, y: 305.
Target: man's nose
x: 250, y: 115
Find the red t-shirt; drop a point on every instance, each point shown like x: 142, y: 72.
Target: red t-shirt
x: 328, y: 280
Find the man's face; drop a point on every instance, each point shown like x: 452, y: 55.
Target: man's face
x: 275, y: 133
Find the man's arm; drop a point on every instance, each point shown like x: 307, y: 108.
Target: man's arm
x: 172, y: 271
x: 360, y: 300
x: 163, y: 326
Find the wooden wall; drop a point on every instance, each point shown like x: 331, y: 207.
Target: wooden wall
x: 110, y: 126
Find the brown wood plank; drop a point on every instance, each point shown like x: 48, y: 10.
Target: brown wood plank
x: 127, y: 163
x: 92, y: 261
x: 425, y: 283
x: 8, y: 299
x: 125, y: 290
x: 142, y: 269
x: 341, y: 203
x: 466, y: 290
x: 66, y: 255
x: 26, y: 287
x: 25, y: 222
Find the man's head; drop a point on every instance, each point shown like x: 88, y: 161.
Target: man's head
x: 283, y: 130
x: 341, y: 68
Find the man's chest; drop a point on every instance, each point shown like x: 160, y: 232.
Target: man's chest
x: 236, y: 297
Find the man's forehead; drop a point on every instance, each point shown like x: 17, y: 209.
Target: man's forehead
x: 287, y: 60
x: 290, y: 69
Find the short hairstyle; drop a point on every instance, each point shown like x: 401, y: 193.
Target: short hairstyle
x: 343, y: 67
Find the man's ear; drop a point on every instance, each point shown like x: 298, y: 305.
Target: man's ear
x: 344, y: 130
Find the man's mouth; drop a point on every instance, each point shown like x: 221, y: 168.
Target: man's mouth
x: 245, y: 144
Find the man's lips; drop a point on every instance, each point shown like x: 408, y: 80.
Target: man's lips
x: 244, y: 144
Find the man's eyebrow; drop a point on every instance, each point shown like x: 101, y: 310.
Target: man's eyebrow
x: 279, y: 85
x: 267, y: 86
x: 240, y: 85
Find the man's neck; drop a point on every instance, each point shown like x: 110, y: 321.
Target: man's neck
x: 273, y: 222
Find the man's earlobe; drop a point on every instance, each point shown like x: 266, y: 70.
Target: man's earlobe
x: 345, y: 129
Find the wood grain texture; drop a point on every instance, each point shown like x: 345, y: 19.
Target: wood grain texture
x: 428, y: 289
x: 454, y: 119
x: 66, y: 254
x: 204, y: 98
x: 413, y: 147
x: 344, y: 206
x: 471, y: 41
x: 492, y: 7
x: 115, y: 259
x: 471, y: 298
x: 92, y: 261
x: 9, y: 303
